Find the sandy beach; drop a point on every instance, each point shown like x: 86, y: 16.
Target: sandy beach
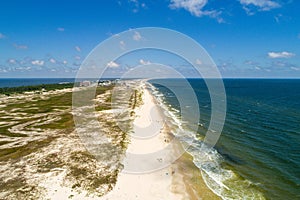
x: 167, y: 177
x: 148, y: 136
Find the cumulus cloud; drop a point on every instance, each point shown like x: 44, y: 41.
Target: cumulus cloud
x: 61, y: 29
x: 112, y: 64
x: 38, y: 62
x: 2, y: 36
x: 195, y: 7
x: 65, y: 62
x: 78, y: 48
x: 144, y: 62
x: 262, y: 5
x: 137, y: 36
x: 283, y: 54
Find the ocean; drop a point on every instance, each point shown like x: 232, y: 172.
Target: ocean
x: 258, y: 153
x: 16, y: 82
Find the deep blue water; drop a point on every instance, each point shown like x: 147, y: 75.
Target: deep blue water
x: 258, y: 153
x: 16, y: 82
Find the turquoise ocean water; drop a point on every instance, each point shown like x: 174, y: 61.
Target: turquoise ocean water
x: 258, y: 153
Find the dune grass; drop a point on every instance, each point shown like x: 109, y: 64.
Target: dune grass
x: 50, y: 116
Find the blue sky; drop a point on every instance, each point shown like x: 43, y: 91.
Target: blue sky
x: 245, y: 38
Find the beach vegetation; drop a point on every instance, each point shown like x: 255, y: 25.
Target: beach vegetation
x: 49, y: 116
x: 30, y: 88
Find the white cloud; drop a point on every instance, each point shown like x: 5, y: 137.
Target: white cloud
x: 2, y: 69
x: 38, y: 62
x: 2, y: 36
x: 137, y: 36
x: 295, y: 68
x: 257, y: 68
x: 278, y: 18
x: 249, y: 62
x: 263, y: 5
x: 143, y: 62
x: 283, y: 54
x: 136, y: 5
x: 78, y: 48
x: 12, y: 61
x: 61, y: 29
x: 253, y: 64
x: 122, y: 45
x: 77, y: 57
x: 20, y: 46
x: 65, y: 62
x: 143, y: 5
x: 280, y: 64
x: 112, y: 64
x: 52, y: 60
x: 198, y: 62
x: 195, y: 7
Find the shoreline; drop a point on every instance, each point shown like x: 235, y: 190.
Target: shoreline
x: 180, y: 179
x: 45, y: 123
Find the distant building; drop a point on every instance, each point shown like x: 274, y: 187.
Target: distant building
x: 85, y: 83
x: 104, y: 83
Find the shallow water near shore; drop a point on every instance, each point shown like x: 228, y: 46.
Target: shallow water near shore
x: 256, y: 155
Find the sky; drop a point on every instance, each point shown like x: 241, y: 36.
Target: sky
x: 245, y: 38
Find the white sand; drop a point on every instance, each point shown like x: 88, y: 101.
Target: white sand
x: 147, y: 140
x: 148, y: 137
